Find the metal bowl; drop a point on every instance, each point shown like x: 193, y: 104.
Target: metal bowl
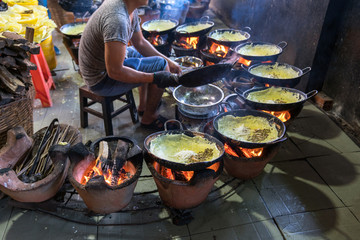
x: 188, y: 63
x: 199, y: 101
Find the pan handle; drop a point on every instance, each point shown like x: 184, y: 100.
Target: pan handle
x: 280, y: 140
x: 306, y: 70
x: 311, y: 94
x: 239, y: 93
x: 244, y: 67
x: 246, y: 28
x: 204, y: 17
x: 173, y: 121
x: 282, y: 44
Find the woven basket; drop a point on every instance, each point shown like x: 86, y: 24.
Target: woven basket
x: 17, y: 113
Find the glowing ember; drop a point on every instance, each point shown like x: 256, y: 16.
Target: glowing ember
x: 156, y: 40
x: 188, y: 42
x: 246, y: 152
x: 179, y: 175
x: 267, y: 85
x: 219, y: 50
x: 284, y: 116
x: 209, y: 63
x: 111, y: 178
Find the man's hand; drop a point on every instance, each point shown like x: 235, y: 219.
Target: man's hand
x: 165, y: 79
x: 174, y: 67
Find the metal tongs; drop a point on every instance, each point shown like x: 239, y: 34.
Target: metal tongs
x: 42, y: 145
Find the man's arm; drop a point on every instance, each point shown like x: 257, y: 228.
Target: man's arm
x: 114, y: 60
x: 145, y: 48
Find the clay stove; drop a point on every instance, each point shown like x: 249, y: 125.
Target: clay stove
x: 106, y: 183
x: 183, y: 189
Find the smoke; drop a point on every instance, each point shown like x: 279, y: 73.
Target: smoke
x: 174, y: 9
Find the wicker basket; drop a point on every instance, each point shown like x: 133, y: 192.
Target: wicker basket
x: 17, y: 113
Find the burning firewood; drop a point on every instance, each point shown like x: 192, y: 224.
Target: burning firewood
x: 111, y: 166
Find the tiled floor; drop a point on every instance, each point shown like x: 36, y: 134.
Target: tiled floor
x: 310, y: 190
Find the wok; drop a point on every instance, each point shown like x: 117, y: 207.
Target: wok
x: 303, y: 97
x: 180, y: 32
x: 154, y: 32
x: 289, y: 82
x: 70, y: 25
x: 280, y: 126
x: 280, y: 46
x: 181, y: 166
x: 205, y: 75
x: 231, y: 44
x: 199, y: 101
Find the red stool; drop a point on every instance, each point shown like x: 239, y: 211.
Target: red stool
x: 42, y: 79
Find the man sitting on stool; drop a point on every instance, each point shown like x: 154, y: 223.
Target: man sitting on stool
x: 111, y: 68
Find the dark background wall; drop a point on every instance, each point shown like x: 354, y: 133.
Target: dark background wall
x: 342, y: 80
x: 322, y: 34
x: 299, y: 23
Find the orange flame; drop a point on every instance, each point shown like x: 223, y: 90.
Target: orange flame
x: 189, y: 42
x: 267, y: 85
x: 284, y: 116
x: 155, y: 40
x: 244, y: 61
x: 218, y: 50
x: 94, y: 169
x: 247, y: 152
x: 209, y: 63
x: 179, y: 175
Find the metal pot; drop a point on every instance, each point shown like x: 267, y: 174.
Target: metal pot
x: 289, y: 82
x: 280, y: 46
x: 149, y: 156
x: 231, y: 44
x: 70, y: 25
x: 303, y: 97
x: 280, y: 126
x: 199, y: 101
x: 181, y: 32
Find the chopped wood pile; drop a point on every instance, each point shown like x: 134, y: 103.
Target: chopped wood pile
x: 15, y: 66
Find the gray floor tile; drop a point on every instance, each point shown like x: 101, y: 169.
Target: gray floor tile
x: 355, y: 209
x: 294, y: 187
x: 288, y: 151
x: 314, y: 147
x: 257, y: 230
x: 5, y: 212
x: 163, y: 229
x: 33, y: 225
x: 244, y: 206
x: 336, y: 224
x: 342, y: 173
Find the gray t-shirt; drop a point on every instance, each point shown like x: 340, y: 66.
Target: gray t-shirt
x: 111, y: 22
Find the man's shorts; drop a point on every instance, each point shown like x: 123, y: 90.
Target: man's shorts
x: 110, y: 87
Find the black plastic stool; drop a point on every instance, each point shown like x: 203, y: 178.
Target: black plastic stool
x: 107, y: 105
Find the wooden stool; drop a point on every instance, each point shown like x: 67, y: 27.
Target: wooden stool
x: 107, y: 107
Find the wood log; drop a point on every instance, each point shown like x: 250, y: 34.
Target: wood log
x: 2, y: 43
x: 8, y: 62
x: 10, y: 82
x: 34, y: 48
x: 26, y: 63
x: 14, y: 36
x: 9, y: 52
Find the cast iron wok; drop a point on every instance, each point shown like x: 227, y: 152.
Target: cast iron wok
x: 280, y: 46
x: 63, y: 27
x: 181, y: 166
x: 275, y: 106
x: 143, y: 26
x: 204, y: 20
x: 280, y: 126
x: 205, y: 75
x: 289, y: 82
